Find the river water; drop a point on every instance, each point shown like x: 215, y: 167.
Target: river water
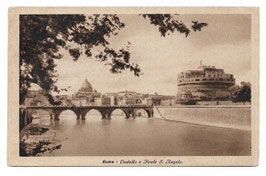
x: 143, y: 137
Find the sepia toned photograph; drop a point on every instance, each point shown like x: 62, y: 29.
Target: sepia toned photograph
x: 133, y: 86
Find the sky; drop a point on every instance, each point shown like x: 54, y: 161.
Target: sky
x: 224, y: 43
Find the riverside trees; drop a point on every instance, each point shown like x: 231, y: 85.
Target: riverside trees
x: 241, y: 93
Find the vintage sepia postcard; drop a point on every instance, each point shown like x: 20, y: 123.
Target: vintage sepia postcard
x: 133, y: 86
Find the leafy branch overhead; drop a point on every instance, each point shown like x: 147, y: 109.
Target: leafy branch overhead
x: 43, y: 36
x: 167, y: 23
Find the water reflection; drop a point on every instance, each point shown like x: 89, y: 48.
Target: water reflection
x: 80, y: 123
x: 106, y: 122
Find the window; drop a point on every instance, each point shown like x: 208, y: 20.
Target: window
x: 204, y: 79
x: 196, y: 79
x: 211, y: 79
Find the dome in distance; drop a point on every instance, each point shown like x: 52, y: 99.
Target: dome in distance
x: 86, y: 86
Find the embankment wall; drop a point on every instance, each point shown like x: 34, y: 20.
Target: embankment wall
x: 236, y: 117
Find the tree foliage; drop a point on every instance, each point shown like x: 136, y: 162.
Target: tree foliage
x: 42, y: 36
x: 241, y: 93
x: 167, y: 24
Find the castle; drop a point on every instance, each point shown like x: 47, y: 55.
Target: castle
x: 206, y: 83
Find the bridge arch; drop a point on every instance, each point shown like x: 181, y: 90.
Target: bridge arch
x: 59, y: 112
x: 144, y: 109
x: 92, y: 109
x: 126, y: 112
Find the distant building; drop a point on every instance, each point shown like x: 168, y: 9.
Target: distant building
x: 130, y: 97
x: 124, y: 98
x: 160, y: 100
x: 86, y: 96
x: 106, y: 101
x: 206, y: 83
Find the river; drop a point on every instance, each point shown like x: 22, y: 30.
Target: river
x: 143, y: 137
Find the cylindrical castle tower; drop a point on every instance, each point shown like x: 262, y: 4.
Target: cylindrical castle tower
x: 206, y: 83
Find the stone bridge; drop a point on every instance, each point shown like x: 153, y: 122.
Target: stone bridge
x: 80, y: 111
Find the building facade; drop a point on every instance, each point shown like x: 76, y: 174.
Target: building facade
x: 124, y: 98
x: 206, y: 83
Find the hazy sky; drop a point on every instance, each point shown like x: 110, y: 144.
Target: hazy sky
x: 224, y: 43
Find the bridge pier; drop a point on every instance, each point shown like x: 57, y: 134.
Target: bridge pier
x: 80, y: 113
x: 106, y: 116
x: 22, y: 118
x: 28, y: 118
x: 128, y: 115
x: 133, y: 115
x: 82, y: 116
x: 25, y: 117
x: 56, y: 117
x: 78, y: 116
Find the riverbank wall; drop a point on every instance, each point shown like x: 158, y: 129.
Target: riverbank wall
x: 226, y: 116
